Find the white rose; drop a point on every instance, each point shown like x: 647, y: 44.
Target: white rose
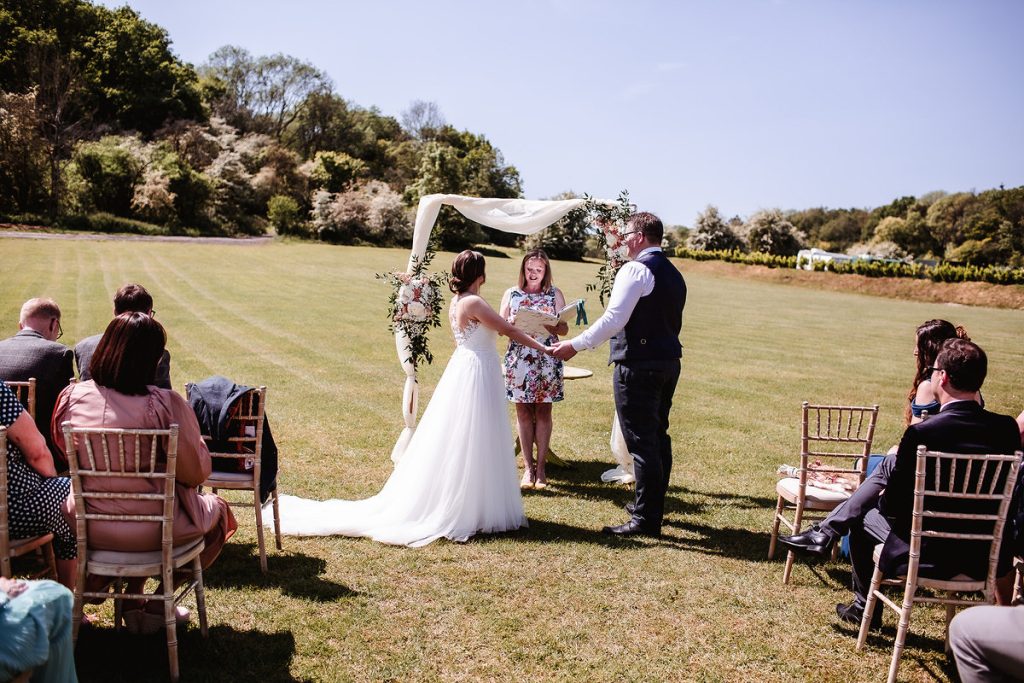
x: 416, y: 310
x: 405, y: 294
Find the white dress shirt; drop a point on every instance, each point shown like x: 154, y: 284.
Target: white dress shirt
x: 633, y: 281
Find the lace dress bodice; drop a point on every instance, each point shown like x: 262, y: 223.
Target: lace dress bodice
x: 473, y: 336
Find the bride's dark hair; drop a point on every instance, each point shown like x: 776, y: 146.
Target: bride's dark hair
x: 467, y: 267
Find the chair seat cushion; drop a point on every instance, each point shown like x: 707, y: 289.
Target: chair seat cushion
x: 117, y: 563
x: 816, y: 498
x: 228, y: 478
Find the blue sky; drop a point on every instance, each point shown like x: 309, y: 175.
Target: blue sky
x: 745, y: 105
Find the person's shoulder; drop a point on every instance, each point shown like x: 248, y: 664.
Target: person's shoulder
x: 88, y: 344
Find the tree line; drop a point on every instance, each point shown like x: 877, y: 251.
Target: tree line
x: 103, y: 127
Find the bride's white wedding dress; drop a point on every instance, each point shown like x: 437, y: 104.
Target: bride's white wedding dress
x: 458, y: 475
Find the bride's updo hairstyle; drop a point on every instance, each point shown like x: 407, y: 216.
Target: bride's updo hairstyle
x: 467, y: 267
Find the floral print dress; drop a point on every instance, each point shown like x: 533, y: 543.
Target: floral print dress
x: 532, y: 376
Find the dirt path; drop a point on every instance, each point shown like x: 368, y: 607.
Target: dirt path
x: 43, y: 234
x: 965, y: 293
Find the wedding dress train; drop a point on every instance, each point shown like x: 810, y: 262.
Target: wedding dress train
x: 458, y: 475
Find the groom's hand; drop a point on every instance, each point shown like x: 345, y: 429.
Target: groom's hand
x: 563, y: 351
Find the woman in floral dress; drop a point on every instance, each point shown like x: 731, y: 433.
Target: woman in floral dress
x: 533, y: 380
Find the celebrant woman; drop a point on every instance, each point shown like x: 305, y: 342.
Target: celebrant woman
x: 533, y: 380
x: 457, y: 477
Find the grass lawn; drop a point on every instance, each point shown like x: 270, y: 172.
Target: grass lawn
x: 558, y: 601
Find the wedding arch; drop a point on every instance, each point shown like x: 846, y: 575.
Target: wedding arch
x: 521, y: 216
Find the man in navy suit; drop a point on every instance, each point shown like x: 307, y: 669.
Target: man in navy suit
x: 34, y: 352
x: 961, y: 426
x: 642, y: 323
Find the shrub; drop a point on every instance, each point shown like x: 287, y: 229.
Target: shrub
x: 283, y: 214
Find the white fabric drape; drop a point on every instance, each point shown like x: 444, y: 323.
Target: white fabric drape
x: 521, y: 216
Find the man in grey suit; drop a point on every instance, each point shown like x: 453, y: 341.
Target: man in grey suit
x: 34, y: 352
x: 130, y: 298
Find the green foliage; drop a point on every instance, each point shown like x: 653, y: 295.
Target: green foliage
x: 284, y: 215
x: 768, y: 232
x: 23, y: 159
x: 566, y: 240
x: 414, y: 306
x: 756, y: 258
x: 335, y: 171
x: 108, y: 169
x: 711, y: 233
x: 109, y: 223
x: 455, y: 162
x: 610, y: 222
x: 870, y: 268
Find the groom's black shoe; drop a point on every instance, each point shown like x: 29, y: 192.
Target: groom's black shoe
x: 631, y: 528
x: 814, y: 542
x: 854, y: 614
x: 629, y: 507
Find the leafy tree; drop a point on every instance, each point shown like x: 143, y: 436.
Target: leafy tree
x: 283, y: 213
x: 711, y: 233
x: 565, y: 240
x: 769, y: 233
x: 463, y: 163
x: 909, y: 234
x: 132, y: 77
x: 23, y: 155
x: 422, y: 120
x: 108, y: 171
x: 261, y: 94
x: 335, y: 171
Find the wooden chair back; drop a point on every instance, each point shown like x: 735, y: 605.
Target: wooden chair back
x: 108, y: 466
x: 986, y: 483
x: 839, y: 437
x: 244, y: 445
x: 10, y: 549
x: 26, y: 393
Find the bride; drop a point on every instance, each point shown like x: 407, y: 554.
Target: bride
x: 458, y: 475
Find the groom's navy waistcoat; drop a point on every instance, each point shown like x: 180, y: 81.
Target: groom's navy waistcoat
x: 652, y: 332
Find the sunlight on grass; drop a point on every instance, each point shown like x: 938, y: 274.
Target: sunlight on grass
x: 556, y: 601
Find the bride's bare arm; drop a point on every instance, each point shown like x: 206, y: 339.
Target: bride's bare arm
x: 480, y: 310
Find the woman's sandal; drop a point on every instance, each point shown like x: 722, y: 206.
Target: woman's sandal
x: 529, y: 479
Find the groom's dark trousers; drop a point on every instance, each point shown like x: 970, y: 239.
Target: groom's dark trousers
x: 643, y: 397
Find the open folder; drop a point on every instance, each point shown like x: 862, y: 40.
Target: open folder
x: 532, y: 322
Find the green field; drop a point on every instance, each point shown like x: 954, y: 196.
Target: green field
x: 558, y: 601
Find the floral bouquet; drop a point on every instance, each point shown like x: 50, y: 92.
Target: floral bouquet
x: 415, y: 306
x: 611, y: 224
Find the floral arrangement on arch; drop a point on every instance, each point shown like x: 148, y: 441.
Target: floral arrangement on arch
x: 611, y: 223
x: 415, y: 305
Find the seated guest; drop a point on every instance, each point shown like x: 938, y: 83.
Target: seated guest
x: 121, y: 394
x: 928, y: 341
x: 131, y: 297
x: 38, y: 501
x: 34, y: 352
x: 35, y: 631
x: 988, y: 643
x: 961, y: 426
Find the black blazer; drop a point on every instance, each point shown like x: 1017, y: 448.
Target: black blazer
x: 960, y: 427
x: 29, y: 354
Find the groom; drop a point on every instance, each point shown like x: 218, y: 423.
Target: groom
x: 643, y: 319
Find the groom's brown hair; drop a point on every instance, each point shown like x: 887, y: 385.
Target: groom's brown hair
x: 649, y: 224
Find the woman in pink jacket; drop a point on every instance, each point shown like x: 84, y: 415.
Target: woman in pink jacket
x: 121, y: 394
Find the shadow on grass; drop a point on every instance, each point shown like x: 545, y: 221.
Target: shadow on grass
x: 295, y: 574
x: 884, y: 639
x: 102, y: 654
